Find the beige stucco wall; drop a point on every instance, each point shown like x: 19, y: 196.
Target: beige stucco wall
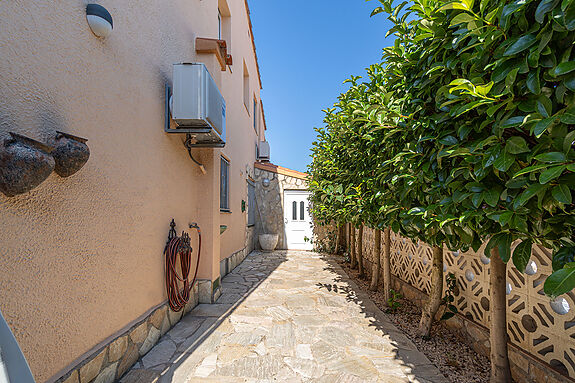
x: 241, y: 161
x: 81, y: 257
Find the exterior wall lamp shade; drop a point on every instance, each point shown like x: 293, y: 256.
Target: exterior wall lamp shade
x: 99, y: 20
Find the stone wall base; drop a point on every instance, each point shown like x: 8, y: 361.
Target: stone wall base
x: 524, y: 367
x: 231, y: 262
x: 113, y: 359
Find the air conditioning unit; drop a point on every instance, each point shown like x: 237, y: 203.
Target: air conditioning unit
x: 197, y: 106
x: 264, y: 151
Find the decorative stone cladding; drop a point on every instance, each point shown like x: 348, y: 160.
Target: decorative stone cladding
x: 269, y: 199
x: 542, y: 340
x: 112, y: 360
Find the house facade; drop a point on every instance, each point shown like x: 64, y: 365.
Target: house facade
x: 81, y: 257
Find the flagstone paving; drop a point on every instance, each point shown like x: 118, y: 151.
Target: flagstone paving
x: 286, y: 316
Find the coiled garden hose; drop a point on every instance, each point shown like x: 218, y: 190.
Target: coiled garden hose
x: 177, y: 299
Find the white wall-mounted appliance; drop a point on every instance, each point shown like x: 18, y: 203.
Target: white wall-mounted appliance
x: 264, y: 151
x: 197, y: 106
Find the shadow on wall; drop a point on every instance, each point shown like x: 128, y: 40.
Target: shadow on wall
x: 269, y: 207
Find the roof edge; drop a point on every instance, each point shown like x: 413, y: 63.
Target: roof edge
x: 268, y: 166
x: 253, y: 42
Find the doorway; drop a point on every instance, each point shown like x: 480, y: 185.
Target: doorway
x: 298, y: 222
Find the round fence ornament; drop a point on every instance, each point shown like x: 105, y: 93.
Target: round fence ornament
x: 560, y: 305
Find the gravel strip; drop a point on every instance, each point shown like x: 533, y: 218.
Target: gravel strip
x: 456, y: 360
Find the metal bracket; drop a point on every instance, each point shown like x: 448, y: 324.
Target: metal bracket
x: 185, y: 238
x: 167, y: 128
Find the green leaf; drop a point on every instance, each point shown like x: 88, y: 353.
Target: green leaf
x: 500, y: 73
x: 492, y: 243
x: 454, y: 5
x: 508, y: 10
x: 533, y: 82
x: 570, y: 82
x: 562, y: 194
x: 448, y: 140
x: 542, y: 9
x: 551, y: 157
x: 569, y: 141
x: 504, y: 161
x: 376, y: 11
x: 522, y: 254
x: 504, y: 247
x: 551, y: 174
x: 492, y: 109
x: 523, y: 43
x: 476, y: 199
x: 513, y: 122
x: 510, y: 79
x: 544, y: 106
x: 530, y: 169
x: 527, y: 194
x: 562, y: 257
x: 491, y: 196
x: 463, y: 17
x: 516, y: 145
x: 518, y: 222
x: 542, y: 126
x: 568, y: 118
x: 545, y: 37
x: 563, y: 68
x: 560, y: 282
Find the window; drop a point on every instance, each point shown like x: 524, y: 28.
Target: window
x: 294, y: 211
x: 219, y: 25
x: 225, y: 23
x: 246, y: 88
x: 301, y: 211
x: 251, y: 203
x: 224, y: 185
x: 255, y: 115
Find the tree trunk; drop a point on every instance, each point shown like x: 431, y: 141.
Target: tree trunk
x: 340, y: 244
x: 432, y: 305
x: 387, y: 265
x: 376, y: 269
x: 500, y: 370
x: 352, y: 254
x: 360, y: 252
x: 337, y: 236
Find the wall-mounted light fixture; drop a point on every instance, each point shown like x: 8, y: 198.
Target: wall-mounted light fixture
x: 99, y: 20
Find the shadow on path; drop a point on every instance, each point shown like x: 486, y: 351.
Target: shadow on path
x: 407, y: 353
x: 286, y: 316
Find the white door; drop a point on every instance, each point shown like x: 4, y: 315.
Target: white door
x: 298, y: 224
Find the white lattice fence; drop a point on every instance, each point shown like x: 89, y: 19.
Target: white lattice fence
x: 541, y: 327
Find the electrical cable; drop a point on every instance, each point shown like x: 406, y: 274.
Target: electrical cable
x: 177, y: 299
x: 188, y: 144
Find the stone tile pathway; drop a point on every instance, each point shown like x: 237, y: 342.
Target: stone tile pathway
x: 287, y: 316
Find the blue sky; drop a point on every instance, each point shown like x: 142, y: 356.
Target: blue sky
x: 306, y: 49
